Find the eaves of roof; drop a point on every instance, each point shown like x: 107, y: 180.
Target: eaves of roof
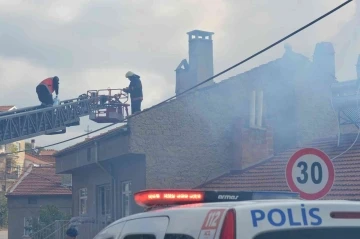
x: 119, y: 130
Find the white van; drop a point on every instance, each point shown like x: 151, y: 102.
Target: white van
x: 235, y: 215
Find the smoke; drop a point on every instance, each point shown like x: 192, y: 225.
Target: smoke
x: 347, y: 46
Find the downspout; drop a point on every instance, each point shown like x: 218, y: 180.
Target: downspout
x: 113, y: 183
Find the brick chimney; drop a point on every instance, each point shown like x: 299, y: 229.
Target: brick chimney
x: 324, y: 60
x: 33, y: 144
x: 250, y: 145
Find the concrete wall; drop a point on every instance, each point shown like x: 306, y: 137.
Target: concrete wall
x: 19, y: 209
x: 132, y: 168
x: 187, y: 141
x: 88, y: 177
x: 110, y: 147
x: 126, y: 168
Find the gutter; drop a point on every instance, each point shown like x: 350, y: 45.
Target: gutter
x: 113, y: 183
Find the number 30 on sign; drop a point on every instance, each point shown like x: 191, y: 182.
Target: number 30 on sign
x: 311, y: 173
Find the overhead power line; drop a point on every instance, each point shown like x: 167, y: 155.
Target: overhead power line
x: 211, y: 78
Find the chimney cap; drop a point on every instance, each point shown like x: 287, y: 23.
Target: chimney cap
x: 200, y: 33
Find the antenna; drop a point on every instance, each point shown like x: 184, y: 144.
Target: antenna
x: 88, y: 130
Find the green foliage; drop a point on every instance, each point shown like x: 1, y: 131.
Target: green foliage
x: 3, y: 211
x: 13, y: 148
x: 28, y: 147
x: 45, y: 223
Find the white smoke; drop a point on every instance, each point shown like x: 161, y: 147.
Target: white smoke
x: 347, y: 46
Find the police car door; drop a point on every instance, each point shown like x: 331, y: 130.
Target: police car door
x: 145, y: 228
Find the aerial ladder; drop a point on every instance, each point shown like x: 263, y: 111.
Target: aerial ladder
x: 102, y: 106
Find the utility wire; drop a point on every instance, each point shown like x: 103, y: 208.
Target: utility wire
x: 211, y: 78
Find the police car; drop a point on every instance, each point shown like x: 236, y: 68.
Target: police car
x: 194, y: 214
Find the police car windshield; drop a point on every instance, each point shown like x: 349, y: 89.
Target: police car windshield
x: 313, y: 233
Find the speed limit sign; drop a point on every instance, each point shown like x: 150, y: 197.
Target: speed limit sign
x: 310, y: 172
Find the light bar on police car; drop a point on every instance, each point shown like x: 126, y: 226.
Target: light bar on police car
x: 179, y: 196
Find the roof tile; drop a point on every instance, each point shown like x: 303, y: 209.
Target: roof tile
x: 39, y: 181
x: 270, y: 174
x: 6, y: 107
x: 47, y: 152
x: 40, y: 159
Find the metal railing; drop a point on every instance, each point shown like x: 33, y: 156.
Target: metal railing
x: 87, y: 229
x: 56, y: 230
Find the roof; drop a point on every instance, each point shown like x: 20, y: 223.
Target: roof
x: 47, y: 152
x: 39, y: 181
x: 109, y: 133
x: 6, y: 107
x: 40, y: 159
x: 269, y: 175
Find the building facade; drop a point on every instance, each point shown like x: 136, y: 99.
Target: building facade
x: 105, y: 174
x: 11, y: 164
x: 194, y: 138
x: 37, y: 187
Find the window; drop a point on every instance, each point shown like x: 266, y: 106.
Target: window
x: 178, y: 236
x: 104, y: 200
x: 2, y: 148
x: 27, y: 226
x: 140, y: 236
x: 126, y: 196
x: 256, y: 109
x: 32, y: 200
x: 150, y: 236
x: 314, y: 233
x: 82, y: 201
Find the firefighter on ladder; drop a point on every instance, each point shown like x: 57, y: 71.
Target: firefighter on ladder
x: 45, y: 89
x: 135, y: 91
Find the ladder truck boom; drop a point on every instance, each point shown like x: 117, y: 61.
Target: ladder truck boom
x: 102, y: 106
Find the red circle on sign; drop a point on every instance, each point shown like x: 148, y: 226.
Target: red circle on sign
x: 328, y: 164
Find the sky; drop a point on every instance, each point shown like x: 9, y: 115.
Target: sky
x: 92, y: 44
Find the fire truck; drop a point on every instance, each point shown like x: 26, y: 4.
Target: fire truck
x: 102, y: 106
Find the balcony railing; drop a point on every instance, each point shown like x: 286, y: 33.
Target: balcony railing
x: 87, y: 229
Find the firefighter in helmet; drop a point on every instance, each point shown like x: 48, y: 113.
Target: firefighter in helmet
x: 135, y: 91
x: 45, y: 90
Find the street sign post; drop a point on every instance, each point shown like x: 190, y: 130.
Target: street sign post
x: 310, y: 172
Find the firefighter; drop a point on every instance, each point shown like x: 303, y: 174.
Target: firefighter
x: 45, y: 90
x: 135, y: 91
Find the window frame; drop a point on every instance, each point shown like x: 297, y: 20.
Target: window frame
x: 32, y: 200
x: 27, y: 222
x: 124, y: 194
x: 131, y: 236
x: 83, y: 198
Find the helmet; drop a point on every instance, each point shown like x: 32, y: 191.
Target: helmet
x: 129, y: 74
x: 72, y: 232
x: 56, y: 79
